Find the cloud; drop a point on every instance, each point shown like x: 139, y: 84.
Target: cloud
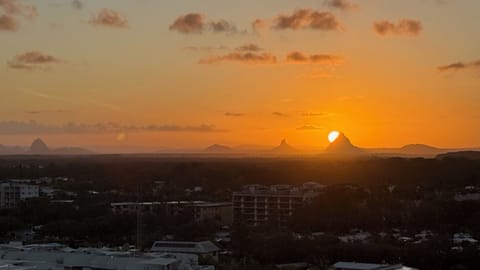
x: 108, y: 17
x: 204, y: 48
x: 344, y: 5
x: 33, y: 60
x: 316, y: 114
x: 459, y: 66
x: 249, y: 48
x: 259, y: 25
x: 77, y: 4
x: 47, y: 111
x: 307, y: 19
x: 309, y: 127
x: 8, y: 23
x: 16, y: 8
x: 279, y: 114
x: 241, y: 57
x: 192, y: 23
x: 404, y: 27
x: 33, y: 127
x: 232, y: 114
x: 222, y: 26
x: 189, y: 23
x: 325, y: 59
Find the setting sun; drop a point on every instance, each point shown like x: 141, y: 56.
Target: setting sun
x: 333, y: 135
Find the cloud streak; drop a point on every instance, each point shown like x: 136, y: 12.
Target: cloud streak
x: 241, y: 57
x: 110, y: 18
x: 33, y: 127
x: 196, y: 23
x: 458, y: 66
x: 307, y: 19
x: 297, y: 57
x: 16, y: 8
x: 404, y: 27
x: 33, y: 60
x: 344, y: 5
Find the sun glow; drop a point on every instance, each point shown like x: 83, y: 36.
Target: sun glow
x: 333, y: 135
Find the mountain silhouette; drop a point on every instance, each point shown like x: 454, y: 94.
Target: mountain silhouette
x: 284, y: 148
x: 39, y: 147
x: 343, y: 146
x: 218, y: 148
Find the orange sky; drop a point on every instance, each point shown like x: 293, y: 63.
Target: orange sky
x: 153, y: 74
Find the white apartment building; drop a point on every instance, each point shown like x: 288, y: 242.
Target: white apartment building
x: 258, y: 205
x: 12, y: 192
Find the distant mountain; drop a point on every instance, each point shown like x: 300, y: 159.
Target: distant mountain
x: 218, y: 148
x: 410, y: 150
x: 284, y: 148
x: 12, y: 150
x: 475, y: 155
x: 343, y: 147
x: 39, y: 147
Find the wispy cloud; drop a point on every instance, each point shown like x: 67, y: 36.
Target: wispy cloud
x: 280, y: 114
x: 309, y: 127
x: 47, y: 111
x: 77, y: 4
x: 33, y: 60
x: 344, y: 5
x: 233, y: 114
x: 110, y: 18
x: 404, y: 27
x: 17, y: 8
x: 195, y: 23
x: 241, y: 57
x: 33, y: 127
x: 302, y: 58
x: 458, y: 66
x: 307, y: 19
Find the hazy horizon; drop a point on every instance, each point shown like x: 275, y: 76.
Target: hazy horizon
x: 187, y: 74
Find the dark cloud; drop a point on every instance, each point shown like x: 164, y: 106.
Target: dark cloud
x: 33, y: 127
x: 326, y: 59
x: 307, y: 19
x: 189, y: 23
x: 8, y: 23
x: 234, y: 114
x: 222, y: 26
x: 15, y: 7
x: 249, y: 48
x: 280, y: 114
x: 459, y: 66
x: 33, y: 60
x: 196, y: 23
x: 341, y: 4
x: 309, y: 127
x: 77, y: 4
x: 108, y: 17
x: 404, y: 27
x: 241, y: 57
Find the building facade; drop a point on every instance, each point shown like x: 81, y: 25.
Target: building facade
x: 257, y: 205
x: 12, y: 192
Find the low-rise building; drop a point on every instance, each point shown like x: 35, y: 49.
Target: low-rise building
x: 12, y: 192
x: 204, y: 249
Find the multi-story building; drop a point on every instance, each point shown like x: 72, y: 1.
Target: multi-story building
x: 12, y: 192
x: 259, y: 205
x: 201, y: 210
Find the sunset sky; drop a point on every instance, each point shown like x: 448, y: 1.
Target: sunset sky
x: 190, y: 73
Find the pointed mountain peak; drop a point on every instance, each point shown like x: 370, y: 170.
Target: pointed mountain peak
x: 342, y: 145
x: 39, y: 147
x: 284, y: 148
